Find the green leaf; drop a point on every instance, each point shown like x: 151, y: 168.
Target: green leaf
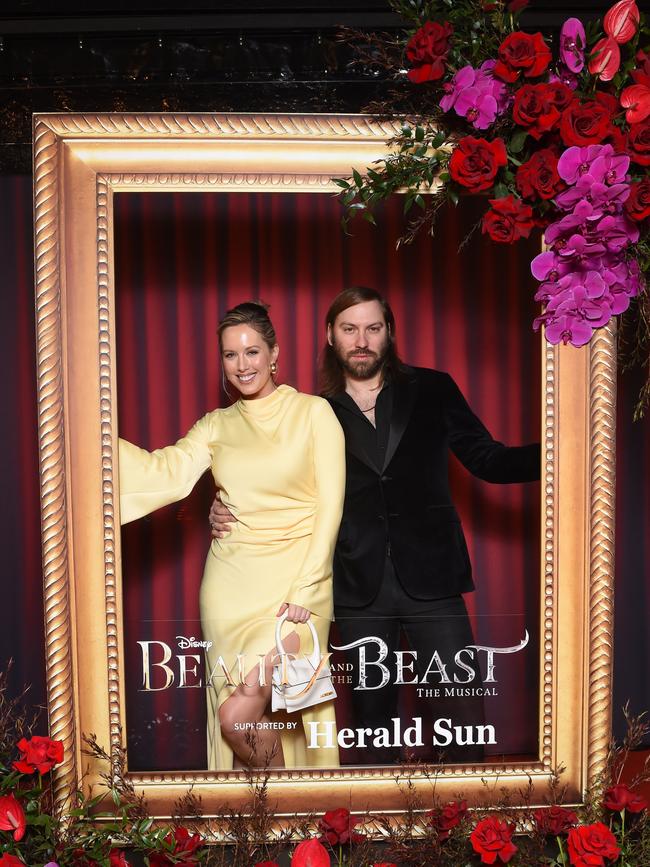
x: 358, y: 180
x: 341, y: 183
x: 419, y: 201
x: 500, y: 191
x: 517, y: 141
x: 453, y: 196
x: 369, y: 218
x: 419, y: 133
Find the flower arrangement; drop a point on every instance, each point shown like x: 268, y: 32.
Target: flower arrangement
x: 554, y: 139
x: 612, y: 828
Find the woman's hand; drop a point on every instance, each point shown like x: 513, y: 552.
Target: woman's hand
x: 221, y: 518
x: 295, y: 613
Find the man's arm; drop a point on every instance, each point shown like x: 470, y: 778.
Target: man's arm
x: 476, y: 449
x: 220, y: 518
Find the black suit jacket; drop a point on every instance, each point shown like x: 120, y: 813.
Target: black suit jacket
x: 404, y: 507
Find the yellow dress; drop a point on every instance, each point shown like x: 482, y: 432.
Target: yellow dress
x: 279, y: 462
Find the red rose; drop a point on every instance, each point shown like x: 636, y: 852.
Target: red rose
x: 538, y: 177
x: 585, y: 123
x: 310, y: 853
x: 8, y: 860
x: 619, y: 797
x: 554, y: 820
x: 508, y: 220
x: 38, y: 754
x: 185, y: 846
x: 643, y: 61
x: 590, y: 845
x: 492, y: 839
x: 534, y: 110
x: 448, y: 817
x: 337, y: 827
x: 638, y: 204
x: 427, y: 51
x: 522, y: 52
x: 117, y: 858
x: 638, y: 142
x: 559, y: 93
x: 475, y: 162
x: 12, y: 817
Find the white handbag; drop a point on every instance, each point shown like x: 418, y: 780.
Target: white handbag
x: 299, y: 683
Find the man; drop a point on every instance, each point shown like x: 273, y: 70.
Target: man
x: 401, y: 562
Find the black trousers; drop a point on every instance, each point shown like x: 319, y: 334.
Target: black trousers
x: 439, y: 626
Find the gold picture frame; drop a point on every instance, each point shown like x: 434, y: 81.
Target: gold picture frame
x: 80, y: 161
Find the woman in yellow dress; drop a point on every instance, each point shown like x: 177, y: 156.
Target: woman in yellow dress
x: 278, y: 458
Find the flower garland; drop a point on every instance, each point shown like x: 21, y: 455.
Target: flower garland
x: 558, y: 143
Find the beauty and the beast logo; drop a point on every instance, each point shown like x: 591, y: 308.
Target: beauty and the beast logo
x: 162, y: 668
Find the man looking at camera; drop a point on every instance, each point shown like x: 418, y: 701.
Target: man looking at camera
x: 401, y: 562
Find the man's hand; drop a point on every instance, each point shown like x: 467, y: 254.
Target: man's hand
x: 295, y: 613
x: 220, y: 518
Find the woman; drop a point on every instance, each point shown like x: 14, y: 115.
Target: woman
x: 278, y: 458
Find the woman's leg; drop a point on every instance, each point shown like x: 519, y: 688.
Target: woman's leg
x: 243, y: 717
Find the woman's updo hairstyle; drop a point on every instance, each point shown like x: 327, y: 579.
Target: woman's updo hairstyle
x: 254, y: 314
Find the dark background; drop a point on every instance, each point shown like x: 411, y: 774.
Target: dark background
x: 163, y: 56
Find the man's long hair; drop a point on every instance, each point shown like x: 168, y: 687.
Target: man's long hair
x: 331, y: 374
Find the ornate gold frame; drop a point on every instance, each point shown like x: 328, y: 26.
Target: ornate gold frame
x: 79, y: 162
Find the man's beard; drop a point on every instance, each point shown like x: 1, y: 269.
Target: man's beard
x: 362, y: 368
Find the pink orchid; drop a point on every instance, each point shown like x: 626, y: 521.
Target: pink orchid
x: 572, y: 45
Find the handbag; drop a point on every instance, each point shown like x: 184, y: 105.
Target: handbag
x: 305, y: 684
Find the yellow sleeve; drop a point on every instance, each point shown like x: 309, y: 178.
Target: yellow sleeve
x: 149, y: 480
x: 313, y: 587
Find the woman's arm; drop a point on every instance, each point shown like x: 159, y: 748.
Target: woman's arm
x: 312, y: 588
x: 149, y: 480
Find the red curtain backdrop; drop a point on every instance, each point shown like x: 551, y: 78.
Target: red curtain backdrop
x: 181, y: 261
x: 219, y: 249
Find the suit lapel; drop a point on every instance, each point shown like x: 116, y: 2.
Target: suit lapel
x: 351, y: 443
x: 403, y: 401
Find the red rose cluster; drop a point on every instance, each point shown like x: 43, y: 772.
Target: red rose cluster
x: 444, y: 819
x: 492, y: 841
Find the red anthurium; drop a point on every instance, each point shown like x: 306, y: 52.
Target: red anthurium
x: 605, y: 59
x: 12, y: 817
x: 310, y: 853
x: 636, y: 99
x: 622, y: 21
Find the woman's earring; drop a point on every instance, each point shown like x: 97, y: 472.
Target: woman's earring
x: 274, y: 368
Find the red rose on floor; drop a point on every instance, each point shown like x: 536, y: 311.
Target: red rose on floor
x: 117, y: 858
x: 620, y: 797
x: 538, y: 177
x: 508, y: 220
x: 554, y: 820
x: 534, y: 109
x: 638, y: 142
x: 522, y: 53
x: 427, y: 51
x: 591, y: 845
x: 185, y: 846
x: 38, y: 754
x: 492, y: 839
x: 475, y: 162
x: 337, y: 827
x: 448, y: 817
x: 310, y: 853
x: 585, y: 123
x: 8, y: 860
x: 12, y: 817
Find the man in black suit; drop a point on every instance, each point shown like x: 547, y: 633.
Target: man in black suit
x: 401, y: 562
